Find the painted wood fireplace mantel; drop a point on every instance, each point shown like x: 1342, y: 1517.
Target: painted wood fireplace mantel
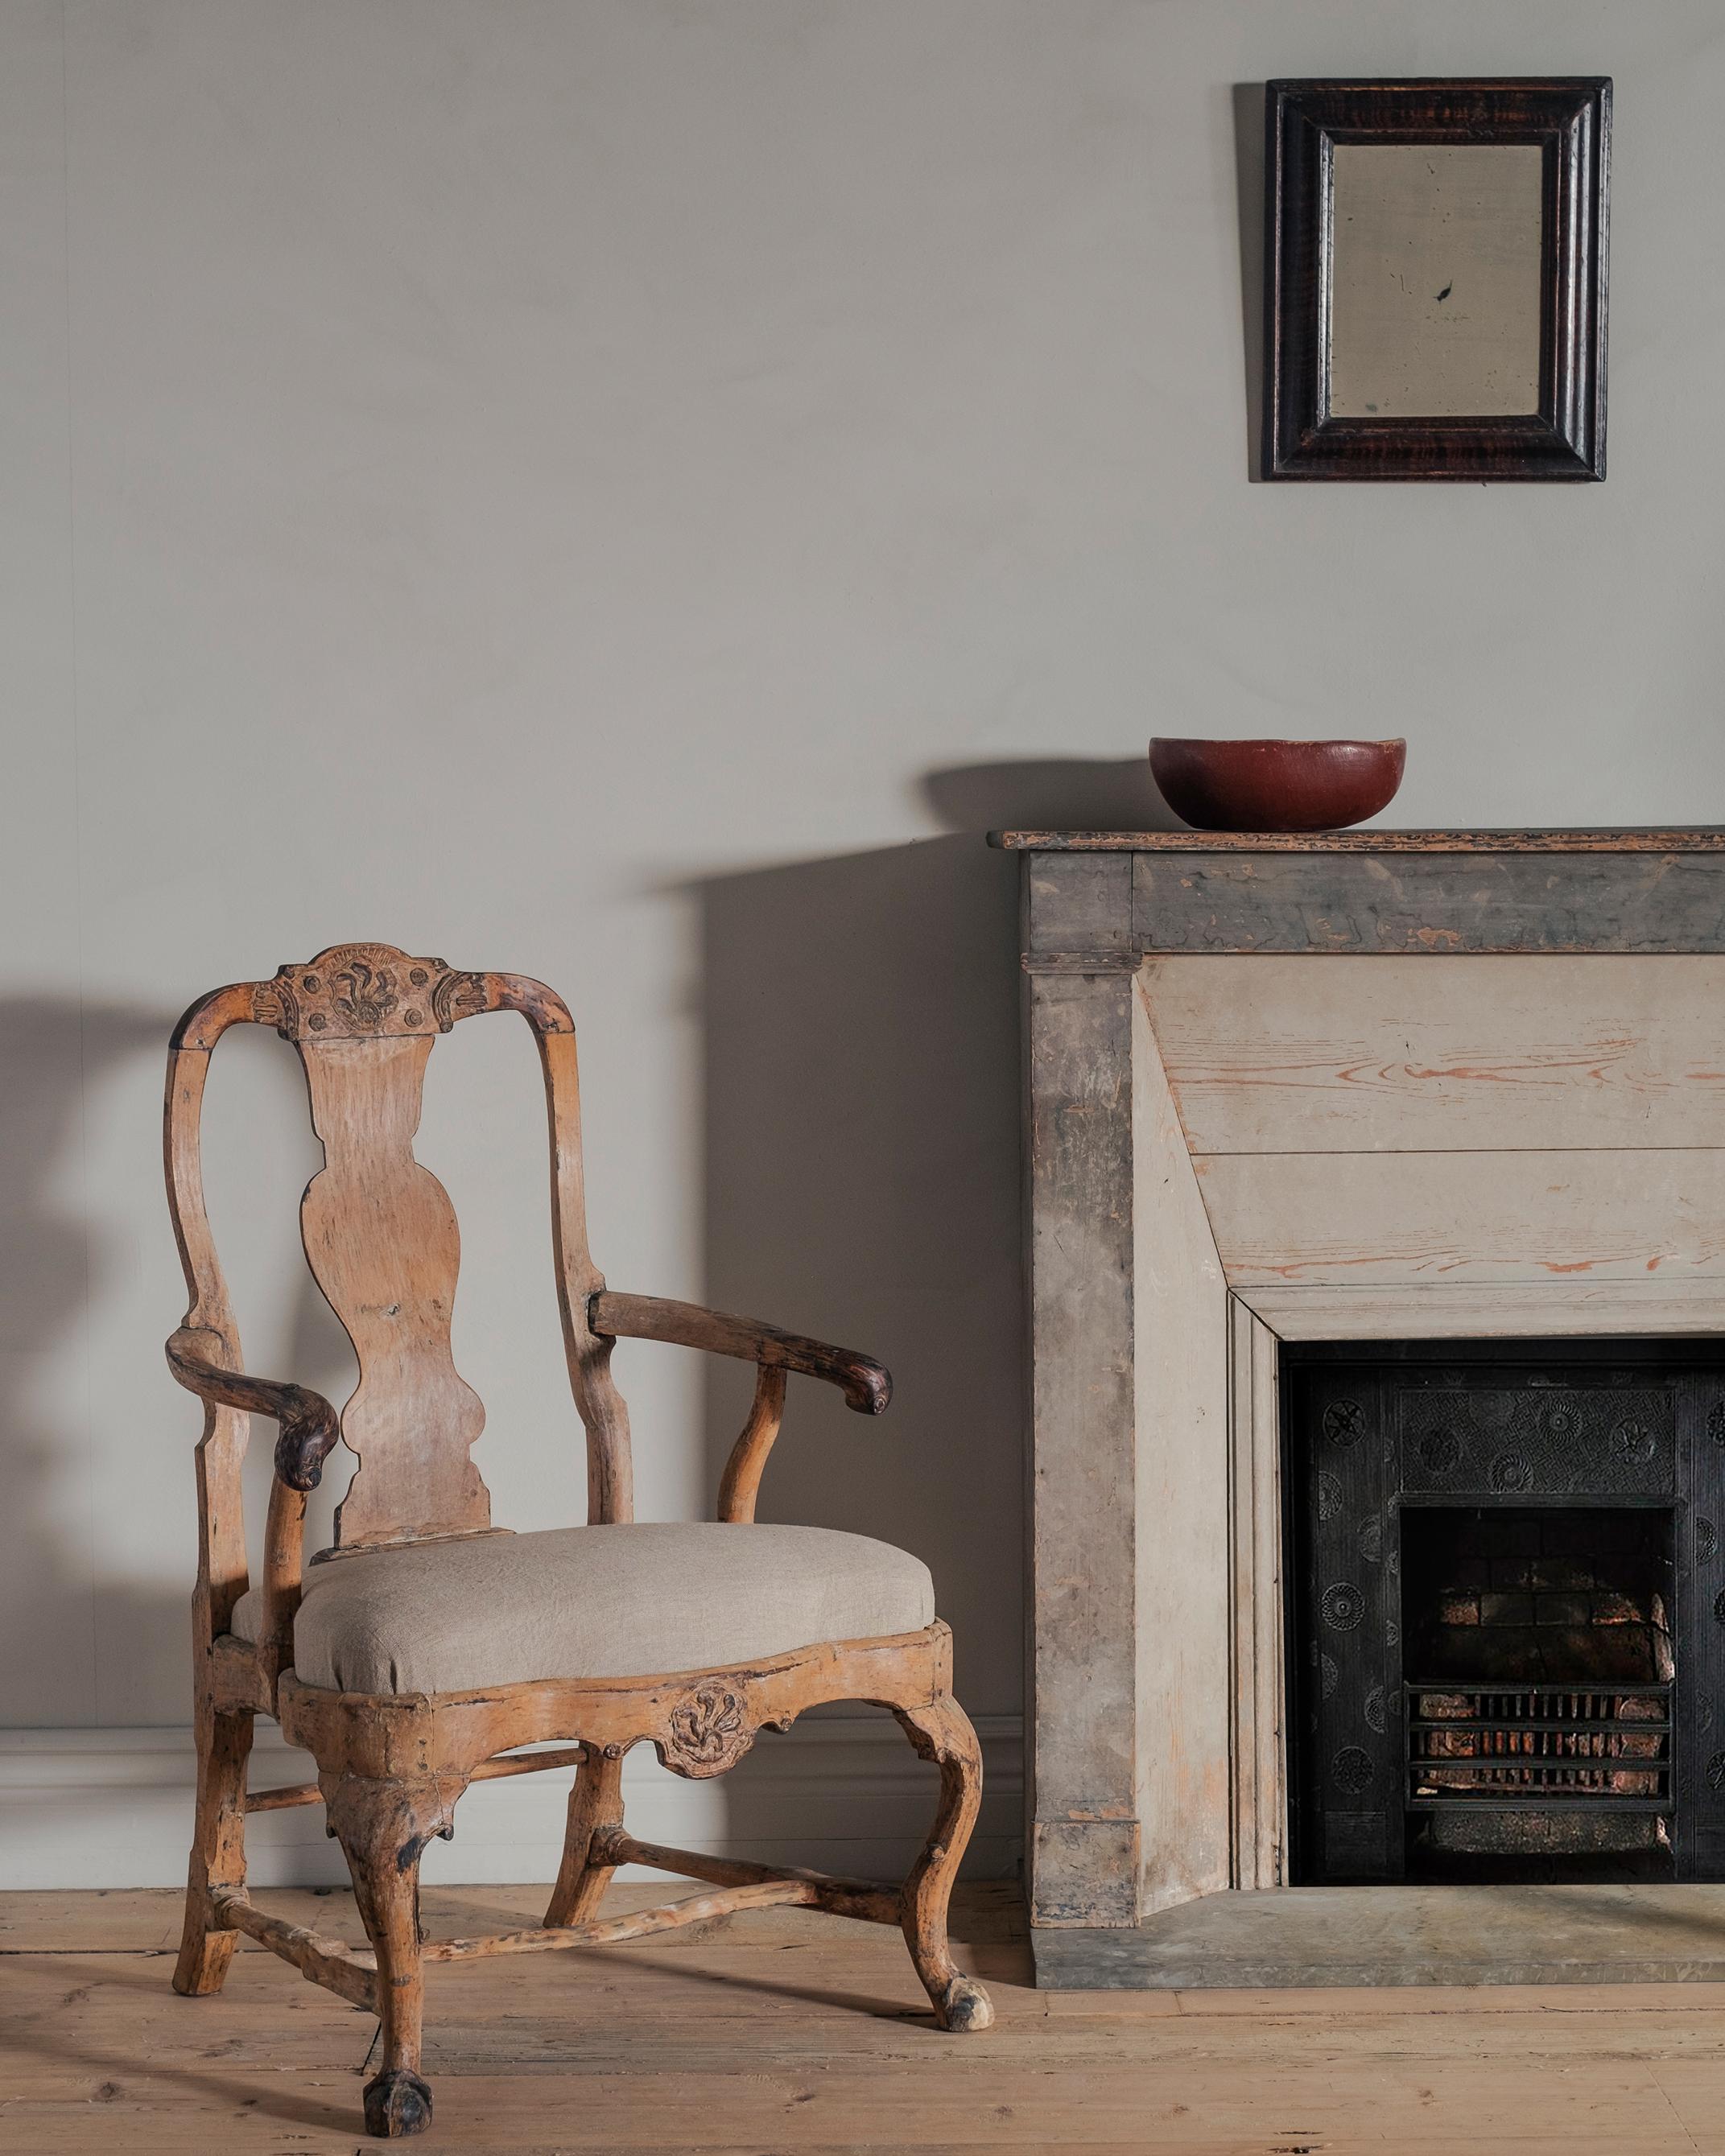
x: 1238, y: 1135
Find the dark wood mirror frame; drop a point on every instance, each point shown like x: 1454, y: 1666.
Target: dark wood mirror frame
x: 1570, y: 122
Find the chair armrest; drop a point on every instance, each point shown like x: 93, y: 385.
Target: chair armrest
x: 310, y: 1425
x: 866, y: 1384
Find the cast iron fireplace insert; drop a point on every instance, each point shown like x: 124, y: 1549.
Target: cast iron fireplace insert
x: 1506, y: 1610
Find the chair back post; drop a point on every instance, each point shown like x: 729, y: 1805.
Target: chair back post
x: 610, y: 1481
x: 222, y: 1575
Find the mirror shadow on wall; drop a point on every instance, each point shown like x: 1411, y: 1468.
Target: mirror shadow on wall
x: 862, y: 1031
x: 56, y: 1263
x: 1247, y: 102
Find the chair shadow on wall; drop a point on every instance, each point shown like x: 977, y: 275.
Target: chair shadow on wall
x: 862, y: 1038
x: 54, y: 1266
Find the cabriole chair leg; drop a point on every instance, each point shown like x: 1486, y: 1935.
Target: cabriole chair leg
x: 941, y: 1732
x: 383, y: 1828
x: 224, y: 1743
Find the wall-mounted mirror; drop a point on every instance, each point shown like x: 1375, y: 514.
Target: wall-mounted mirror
x: 1435, y: 260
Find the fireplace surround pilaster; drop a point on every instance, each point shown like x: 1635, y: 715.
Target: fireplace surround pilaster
x: 1508, y: 1124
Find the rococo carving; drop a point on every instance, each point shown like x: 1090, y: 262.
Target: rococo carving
x: 708, y: 1731
x: 366, y: 992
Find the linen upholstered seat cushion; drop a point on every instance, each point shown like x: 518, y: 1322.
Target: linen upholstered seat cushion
x: 637, y: 1600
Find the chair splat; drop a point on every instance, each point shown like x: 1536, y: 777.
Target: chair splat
x: 383, y: 1244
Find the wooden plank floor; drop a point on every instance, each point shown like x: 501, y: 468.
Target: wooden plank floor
x: 784, y: 2031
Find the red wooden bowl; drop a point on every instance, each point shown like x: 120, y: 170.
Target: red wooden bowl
x: 1276, y: 785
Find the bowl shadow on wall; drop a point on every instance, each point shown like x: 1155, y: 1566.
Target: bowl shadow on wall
x: 53, y: 1264
x: 861, y: 1020
x: 1055, y: 793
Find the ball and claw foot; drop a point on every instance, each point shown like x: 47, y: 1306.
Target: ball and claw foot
x: 964, y: 2005
x: 398, y: 2104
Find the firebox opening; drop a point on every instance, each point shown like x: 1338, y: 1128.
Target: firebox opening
x: 1540, y: 1677
x: 1504, y: 1581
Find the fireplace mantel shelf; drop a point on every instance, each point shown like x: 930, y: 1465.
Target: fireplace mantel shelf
x: 1703, y: 839
x: 1103, y: 902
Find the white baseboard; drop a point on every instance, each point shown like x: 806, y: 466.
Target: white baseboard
x: 108, y: 1807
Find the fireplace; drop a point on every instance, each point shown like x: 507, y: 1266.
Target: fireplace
x: 1502, y: 1668
x: 1431, y: 1120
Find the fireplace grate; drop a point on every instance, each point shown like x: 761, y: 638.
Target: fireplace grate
x: 1542, y: 1747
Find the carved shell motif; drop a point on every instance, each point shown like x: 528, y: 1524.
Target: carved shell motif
x: 708, y: 1731
x: 366, y: 992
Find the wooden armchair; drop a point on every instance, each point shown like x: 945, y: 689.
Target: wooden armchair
x: 432, y: 1646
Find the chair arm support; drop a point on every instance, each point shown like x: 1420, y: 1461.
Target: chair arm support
x: 310, y: 1425
x: 866, y: 1384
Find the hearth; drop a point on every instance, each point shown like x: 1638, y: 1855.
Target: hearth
x: 1508, y: 1643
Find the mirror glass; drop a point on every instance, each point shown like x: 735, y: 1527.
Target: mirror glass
x: 1435, y: 279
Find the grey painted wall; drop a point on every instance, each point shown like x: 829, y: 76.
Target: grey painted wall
x: 628, y: 492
